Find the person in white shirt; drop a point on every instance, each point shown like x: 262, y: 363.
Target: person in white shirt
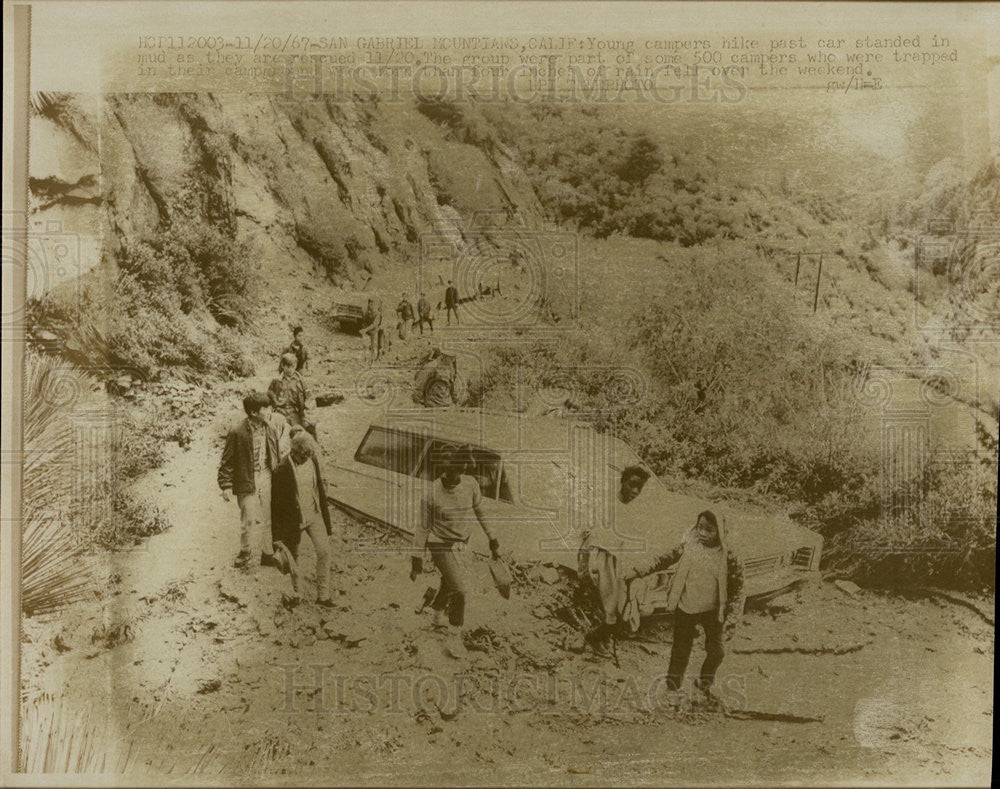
x: 448, y: 510
x: 706, y: 592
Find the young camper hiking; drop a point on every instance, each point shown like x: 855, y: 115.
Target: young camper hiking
x: 448, y: 510
x: 706, y: 592
x: 252, y: 453
x: 598, y: 567
x: 298, y: 504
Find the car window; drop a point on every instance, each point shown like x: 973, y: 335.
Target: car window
x: 489, y: 472
x: 542, y: 485
x: 390, y: 449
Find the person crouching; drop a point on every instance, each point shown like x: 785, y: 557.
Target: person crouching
x: 298, y: 504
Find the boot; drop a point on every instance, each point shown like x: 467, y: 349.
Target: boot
x: 455, y: 646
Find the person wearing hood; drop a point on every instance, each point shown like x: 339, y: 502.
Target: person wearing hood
x: 705, y: 592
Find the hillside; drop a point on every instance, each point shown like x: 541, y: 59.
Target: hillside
x: 207, y: 204
x: 753, y: 329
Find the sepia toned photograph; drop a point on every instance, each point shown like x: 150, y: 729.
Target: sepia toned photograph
x: 460, y: 394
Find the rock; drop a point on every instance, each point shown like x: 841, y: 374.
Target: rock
x: 781, y: 603
x: 353, y: 640
x: 209, y: 686
x: 229, y: 593
x: 540, y: 611
x: 848, y: 587
x: 550, y: 575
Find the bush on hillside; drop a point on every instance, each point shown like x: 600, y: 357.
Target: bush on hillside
x: 177, y: 305
x: 606, y: 180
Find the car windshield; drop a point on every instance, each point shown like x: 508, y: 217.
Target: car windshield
x: 390, y: 449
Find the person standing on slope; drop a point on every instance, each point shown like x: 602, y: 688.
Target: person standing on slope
x: 298, y: 504
x: 706, y: 592
x: 451, y: 302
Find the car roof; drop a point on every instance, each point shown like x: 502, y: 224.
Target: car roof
x: 505, y: 432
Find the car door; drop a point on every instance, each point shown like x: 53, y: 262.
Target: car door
x: 380, y: 484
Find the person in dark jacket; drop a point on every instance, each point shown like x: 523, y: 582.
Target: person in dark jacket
x: 451, y: 302
x: 298, y: 349
x: 249, y: 458
x: 707, y: 592
x: 298, y: 504
x: 424, y: 313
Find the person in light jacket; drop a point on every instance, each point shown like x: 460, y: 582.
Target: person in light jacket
x: 706, y: 592
x: 298, y: 504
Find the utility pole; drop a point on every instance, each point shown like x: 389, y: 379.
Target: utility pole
x: 819, y: 276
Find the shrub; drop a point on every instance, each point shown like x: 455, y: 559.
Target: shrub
x: 52, y: 575
x: 127, y: 521
x: 946, y: 537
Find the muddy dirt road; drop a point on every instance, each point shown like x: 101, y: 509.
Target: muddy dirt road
x: 215, y: 664
x: 202, y: 669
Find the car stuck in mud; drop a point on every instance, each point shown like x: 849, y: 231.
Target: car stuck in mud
x: 549, y: 485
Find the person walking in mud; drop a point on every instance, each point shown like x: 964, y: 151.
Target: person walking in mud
x: 249, y: 458
x: 599, y: 567
x: 289, y: 394
x: 448, y: 510
x: 298, y: 504
x: 298, y: 349
x: 424, y: 314
x: 451, y: 302
x: 405, y: 312
x: 706, y: 592
x: 372, y: 328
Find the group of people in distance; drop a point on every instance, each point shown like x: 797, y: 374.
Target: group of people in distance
x: 380, y: 339
x: 270, y: 463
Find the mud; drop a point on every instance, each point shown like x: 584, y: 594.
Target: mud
x: 203, y: 669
